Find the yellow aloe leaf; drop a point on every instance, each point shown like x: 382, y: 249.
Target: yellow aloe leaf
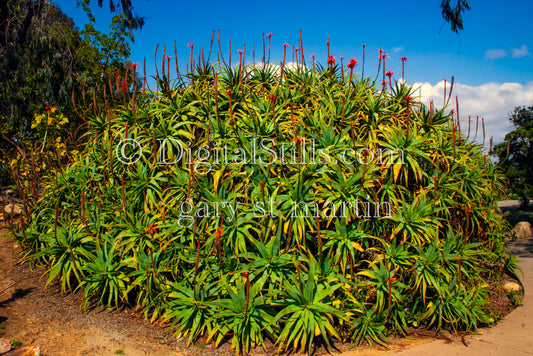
x: 358, y: 247
x: 216, y: 179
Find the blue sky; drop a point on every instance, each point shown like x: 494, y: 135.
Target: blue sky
x: 494, y: 49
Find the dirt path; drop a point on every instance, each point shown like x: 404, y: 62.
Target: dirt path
x: 29, y: 314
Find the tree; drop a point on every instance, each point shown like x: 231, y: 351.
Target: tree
x: 46, y: 61
x: 453, y: 14
x: 133, y: 21
x: 516, y: 153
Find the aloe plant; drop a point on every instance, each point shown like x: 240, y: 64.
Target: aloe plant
x: 352, y: 208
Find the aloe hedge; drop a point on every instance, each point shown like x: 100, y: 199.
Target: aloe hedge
x: 227, y: 213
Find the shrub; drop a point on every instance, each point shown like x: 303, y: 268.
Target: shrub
x: 233, y: 219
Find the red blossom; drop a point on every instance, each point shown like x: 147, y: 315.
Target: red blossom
x: 298, y: 139
x: 152, y: 229
x: 239, y: 51
x: 269, y: 35
x: 389, y: 73
x: 341, y: 57
x: 124, y: 85
x: 245, y: 275
x: 229, y: 92
x: 403, y: 59
x: 285, y: 45
x: 312, y: 56
x: 408, y: 98
x: 166, y: 57
x: 331, y: 60
x: 190, y: 44
x: 219, y: 231
x: 353, y: 63
x: 48, y: 108
x: 273, y: 97
x: 134, y: 66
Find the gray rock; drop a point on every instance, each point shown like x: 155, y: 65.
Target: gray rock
x: 511, y: 286
x: 523, y: 230
x: 13, y: 209
x: 5, y: 345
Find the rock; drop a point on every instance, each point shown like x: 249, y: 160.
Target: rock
x: 523, y: 230
x: 13, y: 209
x: 511, y: 286
x: 31, y: 350
x: 5, y: 345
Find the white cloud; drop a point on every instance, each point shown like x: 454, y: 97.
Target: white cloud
x: 491, y: 101
x: 521, y: 52
x: 495, y: 53
x: 397, y: 49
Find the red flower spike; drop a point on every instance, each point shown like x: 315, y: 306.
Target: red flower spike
x: 403, y: 59
x: 190, y: 44
x: 229, y: 92
x: 245, y: 275
x: 48, y: 108
x: 331, y: 60
x: 269, y: 35
x: 312, y: 56
x: 124, y: 85
x: 134, y: 66
x: 285, y: 45
x: 389, y: 74
x: 408, y: 98
x: 273, y: 97
x: 353, y: 63
x: 298, y: 139
x: 239, y: 51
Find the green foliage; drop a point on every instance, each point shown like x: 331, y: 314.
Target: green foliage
x: 516, y: 154
x: 235, y: 238
x: 47, y: 62
x: 454, y: 14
